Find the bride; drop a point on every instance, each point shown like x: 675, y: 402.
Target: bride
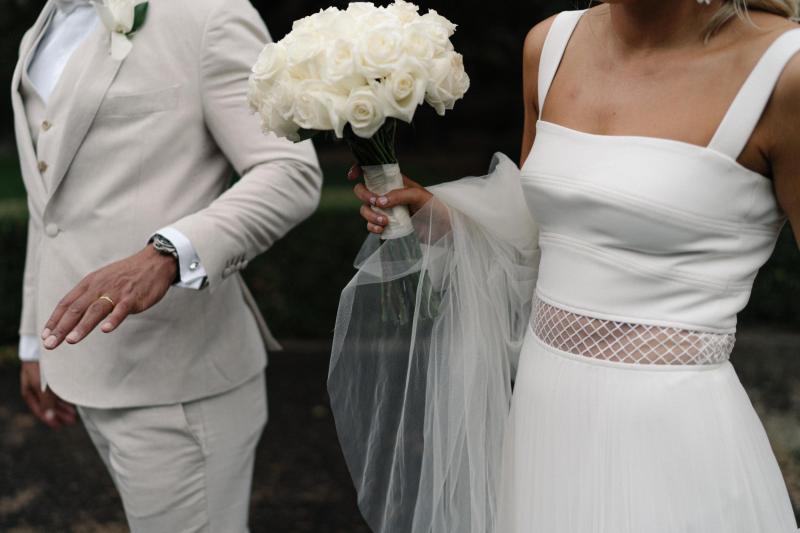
x: 660, y: 160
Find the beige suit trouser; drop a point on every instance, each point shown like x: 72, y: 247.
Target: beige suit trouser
x: 184, y: 467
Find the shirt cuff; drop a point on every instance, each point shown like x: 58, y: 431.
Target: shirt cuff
x: 29, y: 349
x: 192, y: 273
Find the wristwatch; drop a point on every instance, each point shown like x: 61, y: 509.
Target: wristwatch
x: 165, y: 247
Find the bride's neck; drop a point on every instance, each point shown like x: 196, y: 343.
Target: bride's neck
x: 639, y: 25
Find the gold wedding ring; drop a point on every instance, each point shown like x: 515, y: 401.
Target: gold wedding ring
x: 107, y: 299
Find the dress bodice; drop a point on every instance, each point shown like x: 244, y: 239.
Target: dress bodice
x: 647, y: 230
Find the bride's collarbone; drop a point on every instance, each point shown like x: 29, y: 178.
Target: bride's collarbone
x: 681, y: 98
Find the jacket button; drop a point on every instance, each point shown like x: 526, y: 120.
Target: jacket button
x: 42, y: 166
x: 51, y: 230
x: 46, y: 125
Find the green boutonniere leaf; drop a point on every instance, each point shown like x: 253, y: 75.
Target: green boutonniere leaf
x: 139, y: 16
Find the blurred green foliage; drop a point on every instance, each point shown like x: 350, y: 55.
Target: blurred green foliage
x: 10, y: 181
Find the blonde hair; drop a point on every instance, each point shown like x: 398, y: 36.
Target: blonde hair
x: 741, y: 8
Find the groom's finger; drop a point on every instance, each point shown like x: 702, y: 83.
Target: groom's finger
x: 120, y: 313
x: 69, y: 319
x: 62, y: 308
x: 96, y: 312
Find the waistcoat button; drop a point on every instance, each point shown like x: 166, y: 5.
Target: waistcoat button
x: 51, y: 230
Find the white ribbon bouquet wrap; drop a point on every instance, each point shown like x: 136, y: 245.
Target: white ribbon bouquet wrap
x: 355, y: 73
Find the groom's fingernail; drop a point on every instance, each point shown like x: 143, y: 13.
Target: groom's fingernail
x: 73, y: 337
x: 107, y: 326
x: 49, y: 414
x: 383, y: 200
x: 372, y: 200
x: 51, y: 342
x: 46, y: 333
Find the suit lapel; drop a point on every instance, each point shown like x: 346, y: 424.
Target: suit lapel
x: 27, y: 152
x: 85, y: 81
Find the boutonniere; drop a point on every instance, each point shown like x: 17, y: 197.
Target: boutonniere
x: 122, y: 18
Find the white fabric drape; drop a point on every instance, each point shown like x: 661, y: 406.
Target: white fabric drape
x: 425, y: 347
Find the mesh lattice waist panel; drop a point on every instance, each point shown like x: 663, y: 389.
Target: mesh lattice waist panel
x: 626, y: 342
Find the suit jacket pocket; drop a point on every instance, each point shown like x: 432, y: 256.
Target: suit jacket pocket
x: 145, y: 103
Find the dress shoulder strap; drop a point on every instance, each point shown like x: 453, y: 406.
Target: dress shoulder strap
x: 553, y: 50
x: 742, y: 117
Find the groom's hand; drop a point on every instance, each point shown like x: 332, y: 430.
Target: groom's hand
x: 44, y: 404
x: 109, y: 295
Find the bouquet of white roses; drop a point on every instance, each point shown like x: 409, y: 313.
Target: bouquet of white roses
x: 355, y: 72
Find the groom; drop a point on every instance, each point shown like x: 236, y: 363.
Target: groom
x: 133, y: 307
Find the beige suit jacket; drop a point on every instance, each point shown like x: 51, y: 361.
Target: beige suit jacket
x: 147, y: 142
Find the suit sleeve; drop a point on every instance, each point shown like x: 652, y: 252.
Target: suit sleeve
x: 281, y: 181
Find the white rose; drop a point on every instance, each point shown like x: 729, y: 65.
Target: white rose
x: 378, y: 17
x: 340, y: 61
x: 324, y: 22
x: 436, y: 19
x: 271, y: 62
x: 436, y: 29
x: 255, y: 96
x: 381, y: 48
x: 448, y: 82
x: 304, y: 50
x: 417, y: 44
x: 404, y: 11
x: 404, y: 91
x: 304, y: 24
x: 282, y: 98
x: 272, y: 121
x: 274, y: 104
x: 317, y: 106
x: 364, y: 111
x: 339, y: 24
x: 360, y: 9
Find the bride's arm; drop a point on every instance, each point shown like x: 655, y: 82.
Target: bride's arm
x: 783, y: 122
x: 531, y: 53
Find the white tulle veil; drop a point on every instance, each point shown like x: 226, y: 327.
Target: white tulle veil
x: 425, y: 348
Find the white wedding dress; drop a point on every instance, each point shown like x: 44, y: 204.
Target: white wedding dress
x: 626, y: 415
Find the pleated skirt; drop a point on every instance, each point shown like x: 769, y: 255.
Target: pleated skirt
x: 604, y: 447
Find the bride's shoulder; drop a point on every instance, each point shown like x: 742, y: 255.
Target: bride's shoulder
x: 534, y: 41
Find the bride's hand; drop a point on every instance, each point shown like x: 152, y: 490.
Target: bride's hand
x: 413, y: 195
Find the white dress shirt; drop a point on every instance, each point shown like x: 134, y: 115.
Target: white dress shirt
x: 72, y: 22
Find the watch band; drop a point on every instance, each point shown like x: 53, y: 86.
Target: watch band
x: 164, y: 246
